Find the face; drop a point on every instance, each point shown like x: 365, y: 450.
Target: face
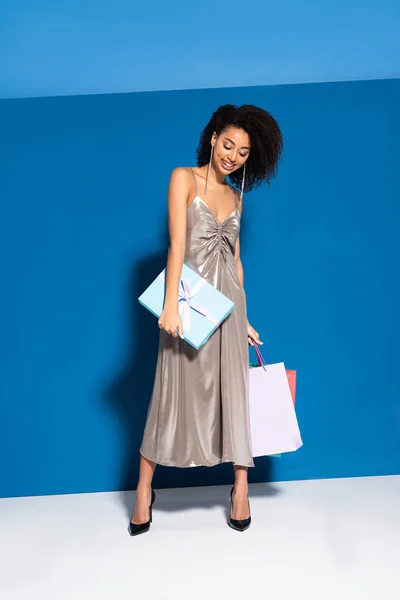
x: 231, y: 150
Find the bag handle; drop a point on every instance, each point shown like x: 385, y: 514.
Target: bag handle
x: 260, y: 359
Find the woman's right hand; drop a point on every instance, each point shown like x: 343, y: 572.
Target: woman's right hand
x: 170, y: 320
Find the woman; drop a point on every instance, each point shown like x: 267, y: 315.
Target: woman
x: 198, y: 414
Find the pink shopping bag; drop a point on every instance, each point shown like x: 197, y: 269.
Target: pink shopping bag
x: 273, y: 421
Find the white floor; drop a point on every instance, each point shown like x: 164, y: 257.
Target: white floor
x: 331, y: 539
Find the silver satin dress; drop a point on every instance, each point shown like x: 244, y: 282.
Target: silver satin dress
x: 199, y: 411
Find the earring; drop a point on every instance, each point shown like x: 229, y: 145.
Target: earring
x: 208, y: 170
x: 243, y: 178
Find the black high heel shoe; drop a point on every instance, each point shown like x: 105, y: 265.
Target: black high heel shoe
x: 239, y: 525
x: 143, y: 527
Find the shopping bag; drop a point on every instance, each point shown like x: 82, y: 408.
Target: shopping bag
x: 291, y: 375
x: 273, y: 422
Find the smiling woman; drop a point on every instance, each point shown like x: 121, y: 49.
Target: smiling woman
x: 199, y: 414
x: 253, y: 133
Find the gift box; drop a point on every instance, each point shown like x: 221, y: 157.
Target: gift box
x: 201, y: 305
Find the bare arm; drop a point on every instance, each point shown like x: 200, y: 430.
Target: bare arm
x: 177, y: 202
x: 252, y: 334
x: 239, y: 262
x: 237, y: 248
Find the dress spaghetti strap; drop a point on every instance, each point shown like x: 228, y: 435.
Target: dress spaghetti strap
x: 238, y: 203
x: 195, y: 180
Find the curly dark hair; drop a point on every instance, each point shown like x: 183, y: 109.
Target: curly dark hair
x: 265, y: 137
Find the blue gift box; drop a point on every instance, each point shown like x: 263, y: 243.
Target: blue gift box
x: 201, y: 305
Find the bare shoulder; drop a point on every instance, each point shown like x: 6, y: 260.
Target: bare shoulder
x: 181, y: 175
x: 180, y: 183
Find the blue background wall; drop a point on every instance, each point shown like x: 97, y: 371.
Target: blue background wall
x: 83, y: 231
x: 52, y: 48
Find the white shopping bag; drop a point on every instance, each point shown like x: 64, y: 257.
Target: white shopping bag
x: 273, y: 421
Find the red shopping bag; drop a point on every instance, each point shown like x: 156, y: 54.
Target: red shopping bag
x: 291, y: 375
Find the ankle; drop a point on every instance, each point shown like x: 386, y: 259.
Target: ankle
x: 241, y: 486
x: 143, y: 490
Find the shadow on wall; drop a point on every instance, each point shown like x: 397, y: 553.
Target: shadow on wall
x: 129, y: 396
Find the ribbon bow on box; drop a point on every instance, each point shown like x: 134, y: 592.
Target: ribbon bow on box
x: 187, y: 304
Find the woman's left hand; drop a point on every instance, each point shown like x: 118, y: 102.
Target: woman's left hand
x: 253, y: 335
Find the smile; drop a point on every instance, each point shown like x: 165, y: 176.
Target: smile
x: 227, y: 166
